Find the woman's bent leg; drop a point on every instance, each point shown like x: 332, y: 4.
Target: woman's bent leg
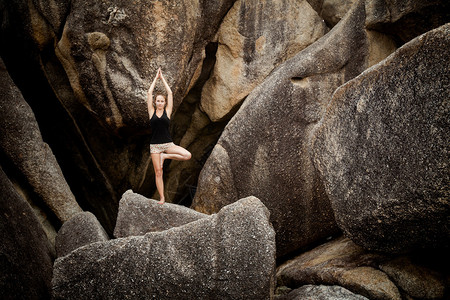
x: 156, y: 159
x: 176, y: 153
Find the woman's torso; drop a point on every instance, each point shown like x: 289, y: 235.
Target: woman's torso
x: 160, y: 129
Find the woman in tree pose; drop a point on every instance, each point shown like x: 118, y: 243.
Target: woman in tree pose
x: 161, y: 145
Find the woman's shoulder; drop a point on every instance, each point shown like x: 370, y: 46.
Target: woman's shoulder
x: 165, y: 113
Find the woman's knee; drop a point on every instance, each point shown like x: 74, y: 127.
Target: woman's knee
x: 158, y: 172
x: 187, y: 155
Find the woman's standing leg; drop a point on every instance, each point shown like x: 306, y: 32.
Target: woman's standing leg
x: 156, y: 159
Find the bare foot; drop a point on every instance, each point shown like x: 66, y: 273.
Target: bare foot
x: 162, y: 201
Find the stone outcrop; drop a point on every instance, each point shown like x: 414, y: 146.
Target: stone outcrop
x: 253, y: 39
x: 139, y: 215
x: 373, y: 275
x: 82, y: 229
x: 264, y: 150
x: 21, y: 142
x: 406, y: 19
x: 229, y: 255
x: 332, y: 11
x: 339, y: 262
x: 417, y: 281
x: 25, y: 253
x: 314, y: 292
x: 88, y: 68
x: 112, y: 50
x: 382, y: 146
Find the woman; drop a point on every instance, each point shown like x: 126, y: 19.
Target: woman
x: 161, y: 145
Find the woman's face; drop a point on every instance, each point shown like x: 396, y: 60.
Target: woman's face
x: 160, y: 102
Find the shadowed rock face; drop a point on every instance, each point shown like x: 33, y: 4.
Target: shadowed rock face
x: 343, y: 263
x: 254, y: 38
x: 111, y: 50
x: 25, y: 253
x: 230, y: 255
x: 22, y: 145
x: 382, y: 149
x: 368, y: 273
x: 322, y: 292
x: 401, y: 19
x: 264, y: 148
x: 406, y: 19
x: 81, y: 230
x: 139, y: 215
x: 85, y: 66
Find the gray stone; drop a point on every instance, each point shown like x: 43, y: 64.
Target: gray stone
x: 82, y: 229
x: 88, y: 66
x: 406, y: 19
x: 321, y: 292
x: 382, y: 149
x: 229, y: 255
x: 418, y: 281
x: 25, y: 253
x: 139, y: 215
x: 111, y: 50
x: 332, y: 11
x: 22, y: 144
x: 343, y: 263
x: 254, y: 39
x: 264, y: 149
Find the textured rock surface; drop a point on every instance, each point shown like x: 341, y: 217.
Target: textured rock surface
x: 263, y: 151
x: 416, y: 280
x: 343, y: 263
x: 374, y: 275
x: 21, y: 142
x: 25, y: 254
x: 230, y: 255
x: 382, y: 149
x: 111, y: 50
x: 82, y: 229
x: 253, y: 39
x: 139, y: 215
x: 321, y: 292
x: 406, y: 19
x: 402, y: 19
x: 91, y: 92
x: 332, y: 11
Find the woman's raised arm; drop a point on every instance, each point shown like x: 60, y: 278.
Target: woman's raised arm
x: 151, y: 108
x: 169, y: 106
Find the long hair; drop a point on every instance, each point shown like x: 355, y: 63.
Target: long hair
x: 154, y: 101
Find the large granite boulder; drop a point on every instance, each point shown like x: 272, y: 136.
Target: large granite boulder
x: 339, y: 262
x: 264, y: 150
x: 332, y: 11
x: 139, y: 215
x: 22, y: 145
x: 82, y: 229
x: 382, y: 149
x: 321, y: 292
x: 111, y: 50
x: 253, y: 39
x: 406, y: 19
x: 371, y: 274
x: 84, y: 68
x: 25, y: 253
x: 229, y: 255
x: 417, y: 280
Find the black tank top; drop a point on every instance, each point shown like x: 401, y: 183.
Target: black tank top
x: 160, y: 129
